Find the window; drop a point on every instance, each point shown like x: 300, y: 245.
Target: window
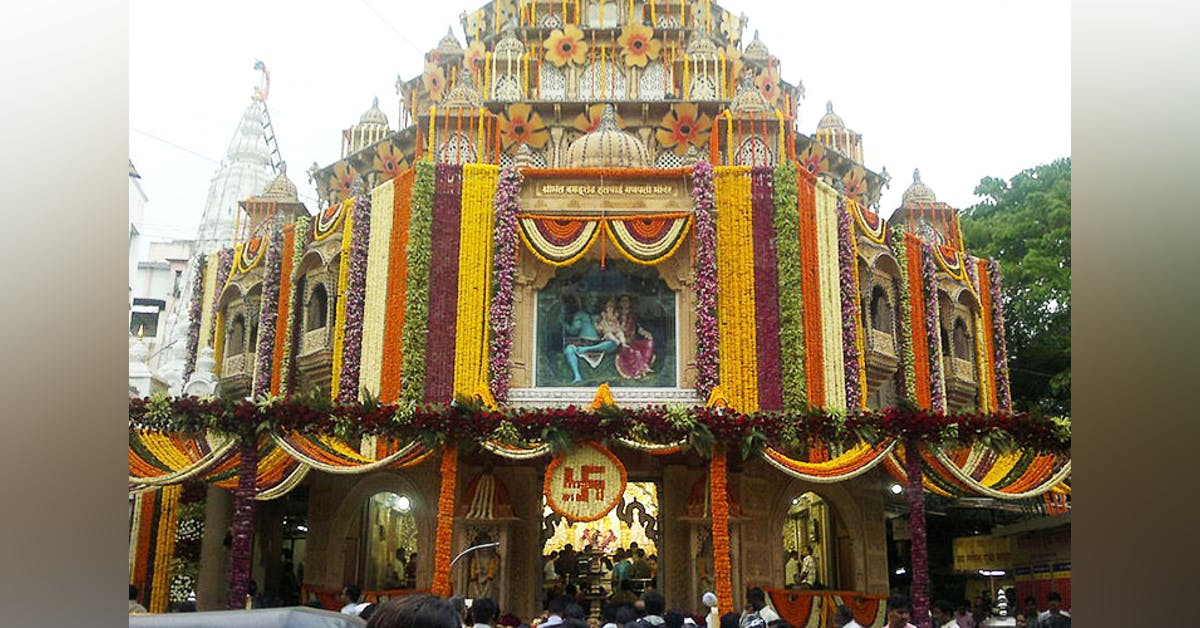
x: 881, y: 314
x: 143, y: 324
x: 318, y: 306
x: 962, y: 340
x: 178, y: 289
x: 235, y: 344
x: 391, y: 542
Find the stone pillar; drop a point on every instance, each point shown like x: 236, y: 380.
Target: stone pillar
x: 212, y: 580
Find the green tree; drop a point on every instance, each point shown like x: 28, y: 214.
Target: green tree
x: 1025, y: 224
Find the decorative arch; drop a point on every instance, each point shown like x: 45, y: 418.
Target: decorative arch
x: 847, y: 534
x: 316, y: 307
x: 755, y: 152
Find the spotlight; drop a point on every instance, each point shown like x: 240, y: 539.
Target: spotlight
x: 403, y: 504
x: 900, y: 571
x: 896, y: 489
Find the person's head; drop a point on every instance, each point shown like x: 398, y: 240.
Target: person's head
x: 484, y: 611
x: 367, y: 611
x: 730, y: 620
x: 653, y: 558
x: 843, y: 616
x: 567, y: 549
x: 899, y: 610
x: 415, y: 611
x: 943, y: 611
x: 709, y: 599
x: 252, y: 589
x: 673, y: 619
x: 626, y: 302
x: 1054, y: 602
x: 610, y: 308
x: 351, y: 593
x: 571, y: 590
x: 633, y: 546
x: 641, y: 553
x: 133, y: 592
x: 625, y: 614
x: 556, y: 606
x: 756, y: 598
x: 186, y: 606
x: 459, y: 603
x: 808, y: 550
x: 654, y: 603
x: 574, y: 611
x: 792, y: 554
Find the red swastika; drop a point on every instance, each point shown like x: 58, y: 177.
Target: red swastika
x: 586, y: 484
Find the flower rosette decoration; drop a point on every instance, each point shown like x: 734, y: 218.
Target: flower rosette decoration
x: 388, y: 160
x: 683, y: 126
x: 195, y: 308
x: 638, y: 45
x: 848, y: 276
x: 341, y: 181
x: 355, y: 300
x: 589, y: 119
x: 566, y: 45
x: 767, y: 84
x: 268, y: 311
x: 520, y: 124
x: 473, y: 56
x: 507, y: 205
x: 433, y: 79
x: 932, y: 332
x: 707, y: 331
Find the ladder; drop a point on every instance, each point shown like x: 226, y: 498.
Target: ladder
x: 272, y: 145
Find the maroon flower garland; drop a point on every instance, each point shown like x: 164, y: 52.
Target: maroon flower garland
x: 707, y: 332
x: 195, y: 307
x: 507, y: 206
x: 850, y: 304
x: 267, y: 314
x: 224, y: 266
x: 1003, y: 394
x: 443, y: 283
x: 919, y: 550
x: 356, y: 288
x: 766, y: 289
x: 937, y: 388
x: 242, y: 523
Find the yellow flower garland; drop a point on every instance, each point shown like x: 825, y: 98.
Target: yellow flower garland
x: 209, y: 296
x: 738, y: 348
x: 987, y: 399
x: 164, y: 548
x: 858, y: 320
x: 830, y: 296
x: 339, y: 325
x: 375, y: 306
x: 219, y: 342
x: 474, y: 278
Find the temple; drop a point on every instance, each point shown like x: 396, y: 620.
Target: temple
x: 598, y: 289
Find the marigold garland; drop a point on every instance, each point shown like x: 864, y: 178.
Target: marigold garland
x: 475, y: 261
x: 249, y: 254
x: 791, y: 296
x: 164, y: 547
x: 722, y: 567
x: 707, y: 327
x: 329, y: 221
x: 416, y: 309
x: 339, y: 317
x: 503, y: 323
x: 284, y: 307
x: 606, y: 173
x: 810, y: 284
x: 375, y: 297
x: 445, y: 521
x: 355, y: 297
x: 903, y: 309
x: 224, y: 266
x: 918, y: 334
x: 850, y: 464
x: 300, y: 238
x: 986, y: 337
x: 735, y: 270
x: 395, y: 311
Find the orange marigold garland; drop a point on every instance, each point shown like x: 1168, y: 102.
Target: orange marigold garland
x: 445, y: 522
x: 722, y: 566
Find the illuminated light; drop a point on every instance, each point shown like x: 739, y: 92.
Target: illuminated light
x: 404, y: 503
x: 896, y: 489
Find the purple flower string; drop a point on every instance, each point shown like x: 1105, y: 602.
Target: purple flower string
x: 507, y: 205
x: 356, y: 288
x: 268, y: 313
x: 1003, y: 394
x: 937, y: 395
x: 224, y: 266
x: 443, y: 283
x: 707, y: 332
x: 195, y: 308
x: 850, y: 305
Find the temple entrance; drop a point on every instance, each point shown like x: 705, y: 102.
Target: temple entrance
x: 389, y: 556
x: 806, y: 531
x: 618, y: 552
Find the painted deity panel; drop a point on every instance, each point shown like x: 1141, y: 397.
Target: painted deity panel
x: 614, y: 325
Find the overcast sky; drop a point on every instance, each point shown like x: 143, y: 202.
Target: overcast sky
x: 961, y: 90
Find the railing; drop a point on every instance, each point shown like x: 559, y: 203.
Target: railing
x: 883, y: 342
x: 233, y: 365
x: 314, y: 340
x: 962, y: 369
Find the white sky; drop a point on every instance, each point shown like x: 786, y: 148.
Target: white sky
x: 961, y: 90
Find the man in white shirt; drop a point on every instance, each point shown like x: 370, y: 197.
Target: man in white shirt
x: 1053, y: 617
x: 483, y: 613
x: 791, y: 570
x: 808, y: 569
x: 943, y: 615
x: 756, y: 599
x: 350, y: 595
x: 844, y: 618
x: 899, y: 611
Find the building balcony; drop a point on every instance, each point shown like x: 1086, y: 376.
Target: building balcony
x: 961, y: 387
x: 881, y: 358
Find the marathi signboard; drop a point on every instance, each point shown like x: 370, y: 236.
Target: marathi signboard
x: 972, y: 553
x: 585, y: 483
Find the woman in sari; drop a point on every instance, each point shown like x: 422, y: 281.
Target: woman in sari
x: 636, y: 355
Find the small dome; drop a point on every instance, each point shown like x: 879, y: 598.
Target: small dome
x: 830, y: 120
x: 449, y: 44
x: 701, y: 47
x: 918, y: 192
x: 282, y: 188
x: 374, y: 115
x: 464, y: 94
x: 747, y: 97
x: 607, y: 147
x: 509, y: 47
x: 756, y: 50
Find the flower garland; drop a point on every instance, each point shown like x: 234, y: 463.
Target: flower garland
x: 242, y: 524
x: 766, y: 289
x: 194, y: 310
x: 852, y: 341
x: 445, y: 237
x: 850, y: 464
x: 142, y: 550
x: 916, y: 525
x: 475, y: 266
x: 735, y: 270
x: 722, y: 567
x: 339, y: 315
x: 250, y: 253
x: 1003, y: 393
x: 224, y: 266
x: 832, y: 330
x: 397, y: 288
x: 164, y: 548
x: 285, y: 300
x: 607, y: 173
x: 937, y: 399
x: 445, y: 521
x: 300, y: 234
x: 507, y: 206
x: 791, y: 297
x: 189, y: 529
x: 918, y: 333
x: 903, y: 310
x: 208, y: 295
x: 416, y: 307
x: 260, y: 384
x: 355, y: 296
x: 375, y: 297
x: 329, y: 221
x: 986, y: 345
x: 810, y: 290
x: 707, y: 329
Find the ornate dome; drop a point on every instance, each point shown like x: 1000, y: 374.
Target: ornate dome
x: 756, y: 50
x: 702, y: 47
x: 747, y: 97
x: 374, y: 115
x: 830, y: 120
x: 509, y: 47
x: 464, y: 93
x: 918, y: 192
x: 449, y: 44
x: 608, y: 147
x: 282, y: 188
